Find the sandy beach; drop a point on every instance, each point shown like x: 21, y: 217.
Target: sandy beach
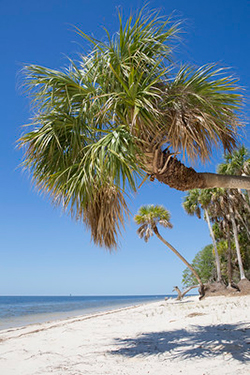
x: 168, y: 337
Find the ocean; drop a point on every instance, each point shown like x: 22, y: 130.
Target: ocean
x: 23, y: 310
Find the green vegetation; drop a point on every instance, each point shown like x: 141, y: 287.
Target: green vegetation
x: 148, y: 218
x: 120, y: 115
x: 196, y: 200
x: 229, y: 210
x: 204, y: 264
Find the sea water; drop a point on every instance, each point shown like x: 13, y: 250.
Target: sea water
x: 16, y: 311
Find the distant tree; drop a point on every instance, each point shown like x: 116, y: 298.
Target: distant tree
x: 236, y: 163
x: 227, y: 250
x: 204, y: 265
x: 196, y: 200
x: 148, y: 218
x: 227, y: 205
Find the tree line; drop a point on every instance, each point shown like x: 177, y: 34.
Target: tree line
x: 227, y: 213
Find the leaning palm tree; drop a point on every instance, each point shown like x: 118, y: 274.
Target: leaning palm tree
x: 119, y: 116
x: 194, y: 201
x: 148, y: 218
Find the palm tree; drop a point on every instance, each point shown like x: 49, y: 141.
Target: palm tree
x: 232, y: 210
x: 148, y: 218
x: 119, y: 114
x: 220, y: 214
x: 227, y: 206
x: 194, y: 201
x: 236, y: 163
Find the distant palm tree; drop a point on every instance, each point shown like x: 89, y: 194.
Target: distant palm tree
x: 148, y: 217
x: 227, y: 206
x: 123, y: 112
x: 236, y: 163
x: 194, y: 201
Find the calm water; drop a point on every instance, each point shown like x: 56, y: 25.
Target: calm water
x: 20, y: 311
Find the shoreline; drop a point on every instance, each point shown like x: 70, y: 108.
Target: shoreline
x: 205, y: 337
x: 75, y: 318
x: 44, y: 317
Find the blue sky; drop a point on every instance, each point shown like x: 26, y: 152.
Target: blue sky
x: 44, y: 252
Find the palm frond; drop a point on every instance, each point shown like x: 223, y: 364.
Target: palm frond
x: 236, y: 162
x: 201, y: 111
x: 148, y: 217
x: 104, y: 215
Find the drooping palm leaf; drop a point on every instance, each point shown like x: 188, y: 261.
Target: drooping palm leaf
x: 200, y: 110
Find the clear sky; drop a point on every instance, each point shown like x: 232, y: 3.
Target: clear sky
x: 43, y: 252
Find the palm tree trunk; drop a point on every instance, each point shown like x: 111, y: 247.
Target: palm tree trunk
x: 172, y: 172
x: 237, y: 245
x: 182, y: 258
x: 213, y: 180
x: 229, y: 260
x: 217, y: 258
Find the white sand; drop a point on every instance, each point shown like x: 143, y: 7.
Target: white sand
x: 206, y: 337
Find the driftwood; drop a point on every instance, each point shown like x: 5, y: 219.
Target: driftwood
x: 182, y: 294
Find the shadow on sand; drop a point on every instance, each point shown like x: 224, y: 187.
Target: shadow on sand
x: 208, y: 341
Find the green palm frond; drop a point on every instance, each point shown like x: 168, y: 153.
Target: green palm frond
x: 191, y: 203
x: 236, y: 162
x: 148, y: 217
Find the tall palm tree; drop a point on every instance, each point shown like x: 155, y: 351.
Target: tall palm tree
x: 148, y: 218
x: 226, y: 206
x: 194, y: 201
x: 220, y: 214
x: 236, y: 163
x: 232, y: 209
x: 119, y: 114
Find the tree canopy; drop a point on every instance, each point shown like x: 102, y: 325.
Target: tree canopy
x: 120, y: 115
x: 204, y: 264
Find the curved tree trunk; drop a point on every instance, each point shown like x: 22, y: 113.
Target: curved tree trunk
x: 237, y: 245
x: 184, y: 292
x: 170, y: 171
x: 179, y: 297
x: 217, y: 258
x: 202, y: 293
